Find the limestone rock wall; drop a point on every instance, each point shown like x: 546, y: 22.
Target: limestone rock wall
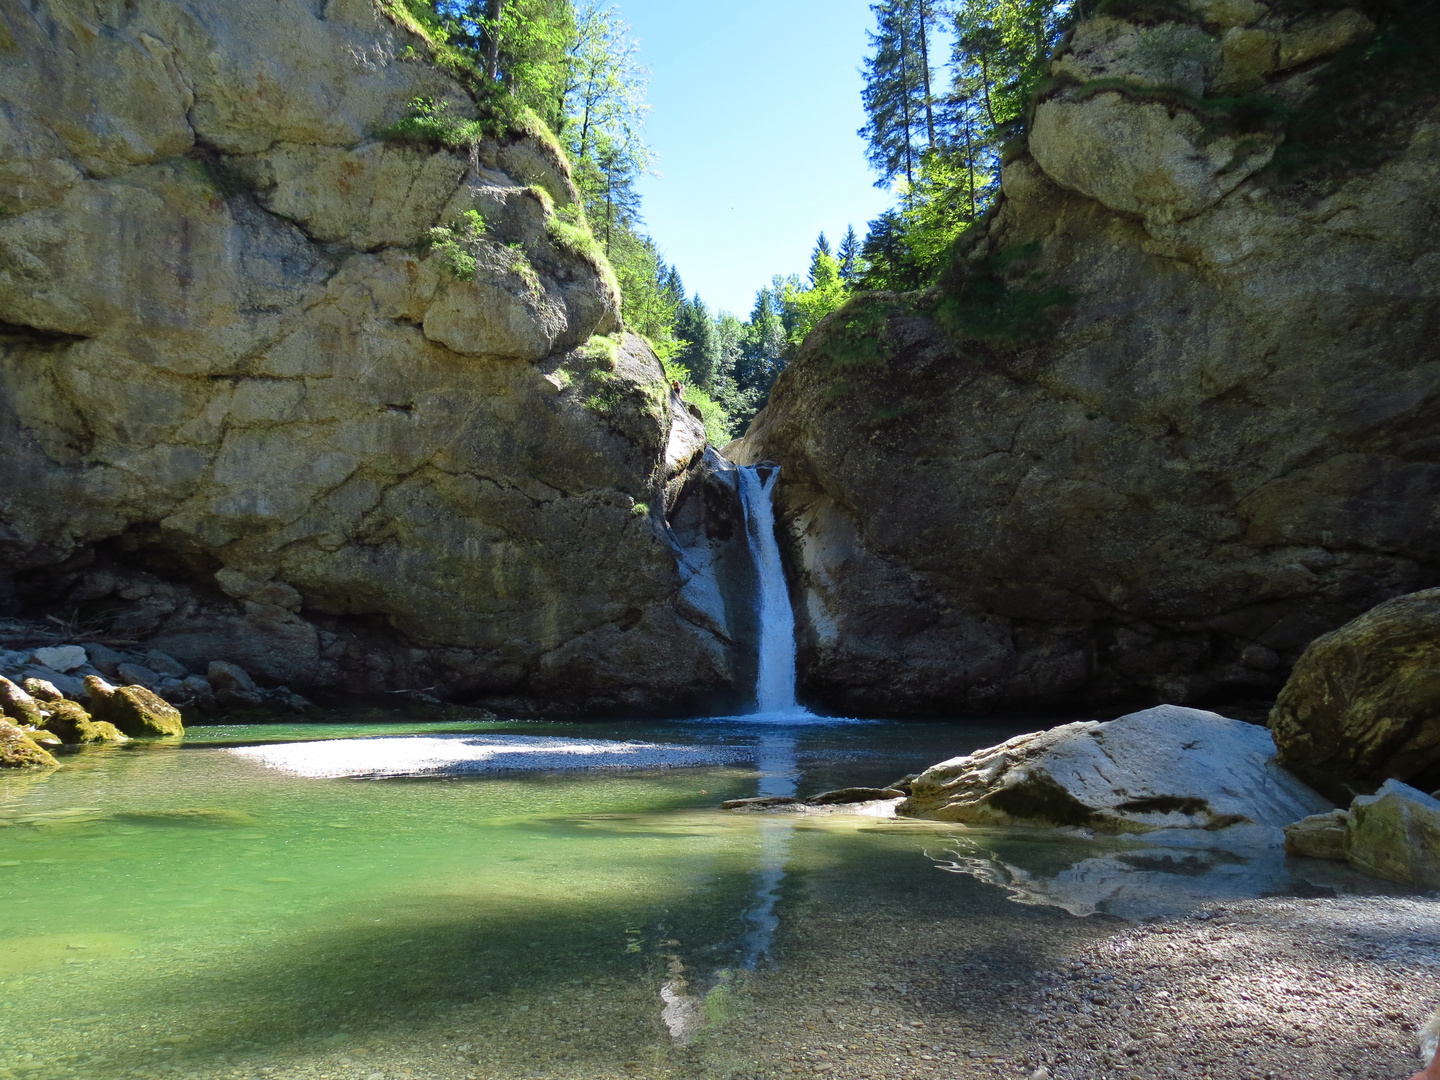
x: 1221, y: 448
x: 247, y: 414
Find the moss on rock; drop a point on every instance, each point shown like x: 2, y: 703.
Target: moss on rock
x: 134, y: 710
x: 19, y: 750
x: 73, y: 725
x: 18, y: 705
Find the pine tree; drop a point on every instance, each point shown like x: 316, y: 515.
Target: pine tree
x: 849, y: 256
x: 609, y: 186
x: 699, y: 354
x: 897, y: 96
x: 763, y: 357
x: 822, y: 250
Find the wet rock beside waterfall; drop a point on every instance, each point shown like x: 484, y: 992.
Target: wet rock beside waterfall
x: 1166, y: 768
x: 136, y: 711
x: 1393, y: 834
x: 20, y: 750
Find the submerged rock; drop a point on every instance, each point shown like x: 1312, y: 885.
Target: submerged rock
x: 1165, y: 768
x: 136, y: 711
x: 191, y: 816
x: 762, y: 802
x: 842, y: 796
x: 20, y: 750
x: 1363, y: 703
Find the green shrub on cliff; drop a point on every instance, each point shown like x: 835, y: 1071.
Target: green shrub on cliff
x: 432, y: 123
x: 454, y: 244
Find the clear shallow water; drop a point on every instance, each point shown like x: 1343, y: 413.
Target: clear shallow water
x: 183, y: 909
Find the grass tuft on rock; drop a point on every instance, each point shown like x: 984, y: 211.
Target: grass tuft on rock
x: 454, y: 245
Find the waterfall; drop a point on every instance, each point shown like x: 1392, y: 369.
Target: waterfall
x: 775, y: 682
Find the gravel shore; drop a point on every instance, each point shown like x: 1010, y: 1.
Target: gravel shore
x: 1279, y: 989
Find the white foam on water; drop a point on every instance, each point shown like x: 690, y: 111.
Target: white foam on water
x: 456, y: 755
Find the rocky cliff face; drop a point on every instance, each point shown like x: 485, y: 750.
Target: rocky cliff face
x: 1174, y: 413
x: 246, y: 414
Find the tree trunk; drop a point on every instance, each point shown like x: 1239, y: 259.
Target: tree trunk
x: 493, y: 10
x: 970, y: 161
x: 925, y: 67
x: 985, y: 82
x: 905, y: 97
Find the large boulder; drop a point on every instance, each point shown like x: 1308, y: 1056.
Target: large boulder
x: 1168, y: 419
x: 1395, y: 834
x: 247, y: 404
x: 1363, y: 703
x: 134, y: 710
x: 1165, y: 768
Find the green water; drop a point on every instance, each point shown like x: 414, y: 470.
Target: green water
x: 177, y: 910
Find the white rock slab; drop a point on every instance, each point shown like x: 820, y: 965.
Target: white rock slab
x: 451, y: 755
x: 61, y: 658
x: 1166, y: 768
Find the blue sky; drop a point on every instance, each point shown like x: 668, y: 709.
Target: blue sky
x: 755, y: 108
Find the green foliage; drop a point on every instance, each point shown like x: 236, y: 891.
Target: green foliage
x: 569, y: 230
x: 432, y: 123
x: 720, y: 427
x: 827, y: 292
x: 455, y: 244
x: 950, y: 177
x: 607, y: 393
x: 648, y: 306
x: 1002, y: 298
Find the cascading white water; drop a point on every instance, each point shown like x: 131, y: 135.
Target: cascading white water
x: 775, y: 682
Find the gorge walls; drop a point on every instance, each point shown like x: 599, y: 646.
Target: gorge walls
x: 1176, y: 411
x: 247, y: 413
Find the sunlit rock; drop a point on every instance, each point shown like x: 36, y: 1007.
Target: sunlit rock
x: 19, y: 750
x: 1167, y: 768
